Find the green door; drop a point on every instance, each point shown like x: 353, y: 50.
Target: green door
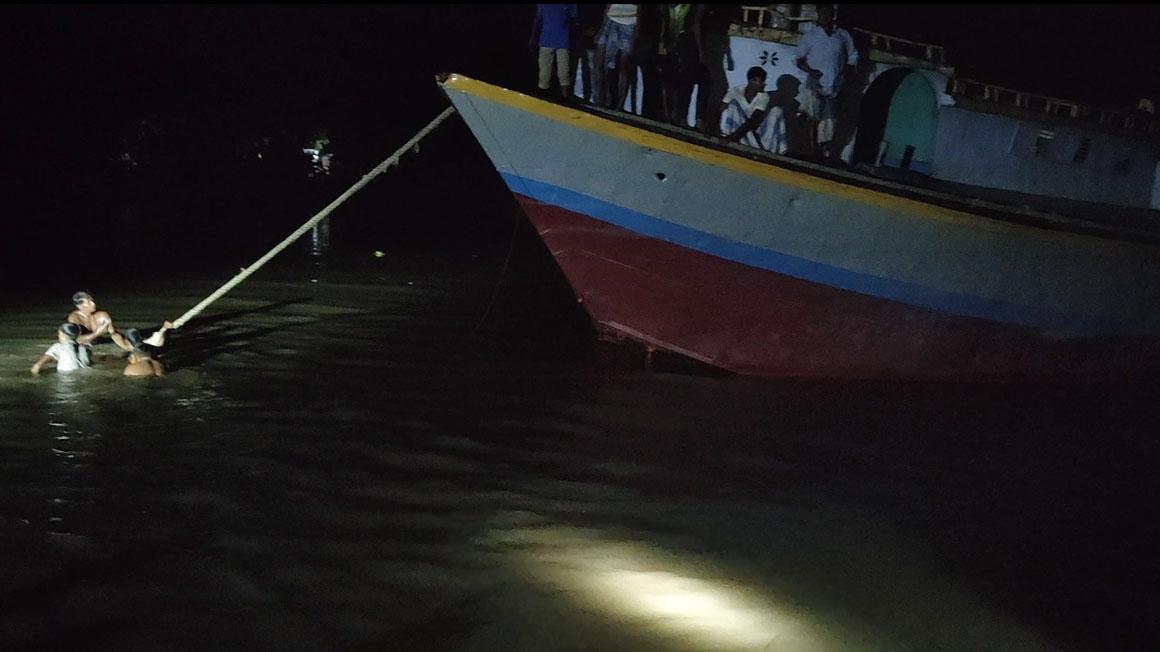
x: 908, y: 141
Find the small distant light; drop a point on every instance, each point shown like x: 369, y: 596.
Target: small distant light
x: 379, y: 254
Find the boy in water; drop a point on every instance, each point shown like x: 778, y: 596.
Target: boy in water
x: 141, y: 362
x: 68, y: 354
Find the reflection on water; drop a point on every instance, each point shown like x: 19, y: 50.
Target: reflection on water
x: 339, y: 465
x: 68, y: 389
x: 320, y: 238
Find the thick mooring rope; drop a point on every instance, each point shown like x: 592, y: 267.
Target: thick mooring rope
x: 318, y: 217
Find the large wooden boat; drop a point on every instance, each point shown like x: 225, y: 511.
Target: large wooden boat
x: 775, y: 265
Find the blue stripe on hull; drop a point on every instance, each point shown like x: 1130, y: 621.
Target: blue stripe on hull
x: 908, y: 293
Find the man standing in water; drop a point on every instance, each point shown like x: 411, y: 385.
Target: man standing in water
x: 825, y: 53
x: 141, y: 361
x: 94, y: 323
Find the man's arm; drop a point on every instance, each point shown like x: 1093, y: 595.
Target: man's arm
x: 801, y: 59
x: 851, y: 67
x: 157, y: 339
x: 805, y: 67
x: 89, y: 337
x: 104, y: 325
x: 44, y: 359
x: 119, y: 340
x: 851, y: 49
x: 754, y: 119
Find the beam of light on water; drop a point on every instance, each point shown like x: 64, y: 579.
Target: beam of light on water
x: 830, y: 594
x: 680, y: 598
x: 712, y: 611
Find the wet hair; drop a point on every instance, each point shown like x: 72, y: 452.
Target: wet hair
x: 71, y: 331
x: 140, y: 348
x: 755, y: 71
x: 81, y: 296
x: 133, y: 336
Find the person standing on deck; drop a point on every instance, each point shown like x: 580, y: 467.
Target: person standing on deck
x: 827, y: 55
x: 584, y: 66
x: 717, y: 57
x: 551, y: 32
x: 616, y: 50
x: 680, y: 56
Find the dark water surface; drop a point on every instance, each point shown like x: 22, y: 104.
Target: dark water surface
x: 349, y: 464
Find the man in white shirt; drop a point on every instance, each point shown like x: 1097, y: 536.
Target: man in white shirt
x: 825, y: 54
x: 747, y: 116
x: 68, y: 355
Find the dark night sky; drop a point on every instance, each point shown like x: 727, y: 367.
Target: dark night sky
x: 1107, y: 55
x: 77, y: 70
x: 79, y: 78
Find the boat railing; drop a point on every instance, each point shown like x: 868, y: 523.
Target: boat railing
x: 768, y: 23
x: 781, y: 23
x: 1054, y: 106
x: 773, y: 16
x: 929, y: 52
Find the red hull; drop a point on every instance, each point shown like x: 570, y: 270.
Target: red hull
x: 753, y: 321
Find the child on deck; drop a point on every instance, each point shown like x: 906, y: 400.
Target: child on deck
x: 68, y: 354
x: 141, y: 362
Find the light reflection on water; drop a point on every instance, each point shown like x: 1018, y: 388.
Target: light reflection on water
x: 334, y: 465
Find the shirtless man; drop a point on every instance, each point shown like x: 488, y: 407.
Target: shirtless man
x: 141, y: 362
x: 94, y: 323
